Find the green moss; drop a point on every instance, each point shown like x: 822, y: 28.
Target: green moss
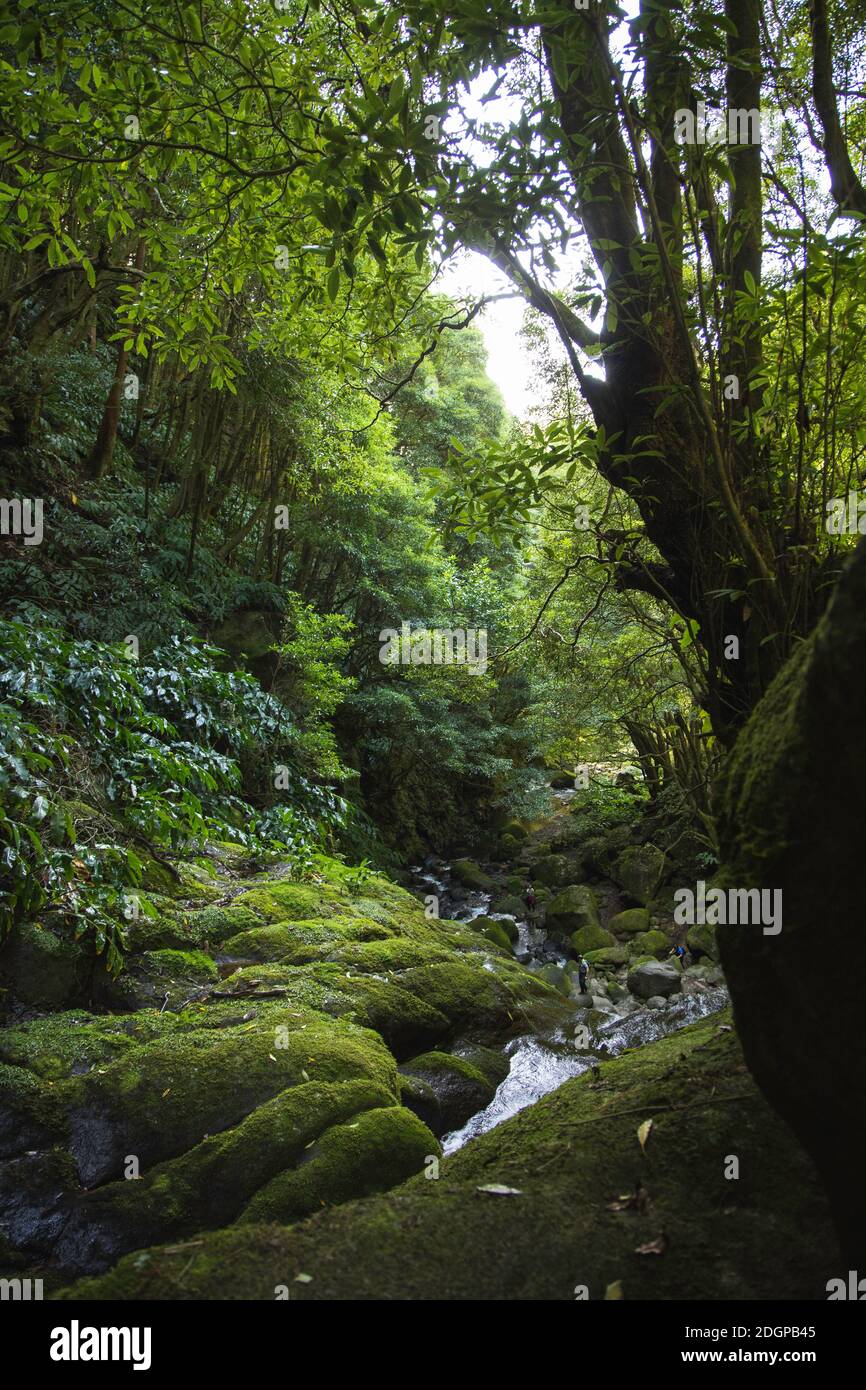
x: 471, y: 875
x: 572, y: 909
x: 571, y: 1157
x: 701, y: 941
x: 44, y: 970
x: 634, y: 919
x: 168, y: 1094
x: 32, y: 1111
x: 592, y: 938
x: 184, y: 930
x: 376, y: 1150
x: 650, y: 943
x: 283, y: 901
x: 608, y: 957
x: 211, y: 1183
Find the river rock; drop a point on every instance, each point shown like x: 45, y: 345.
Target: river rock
x: 656, y: 1001
x: 628, y: 923
x: 555, y: 870
x: 638, y: 871
x: 654, y: 977
x: 573, y: 908
x: 471, y: 875
x: 591, y: 938
x: 649, y: 943
x: 701, y: 941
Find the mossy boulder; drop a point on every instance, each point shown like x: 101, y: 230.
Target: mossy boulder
x: 555, y: 870
x: 701, y: 941
x: 282, y: 901
x: 185, y: 930
x: 516, y: 829
x: 630, y: 922
x: 650, y: 943
x: 608, y: 957
x: 509, y: 847
x: 572, y: 909
x: 492, y: 930
x: 213, y: 1181
x: 452, y: 1090
x: 514, y: 885
x: 510, y: 905
x: 162, y: 979
x: 471, y: 875
x: 375, y: 1151
x: 575, y: 1151
x: 45, y: 970
x: 166, y: 1096
x: 639, y: 870
x: 592, y: 938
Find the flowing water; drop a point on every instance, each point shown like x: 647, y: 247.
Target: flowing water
x: 539, y: 1063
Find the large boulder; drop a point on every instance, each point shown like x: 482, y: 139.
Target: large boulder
x: 634, y: 919
x: 792, y: 818
x: 444, y: 1091
x: 655, y: 977
x: 638, y: 870
x: 573, y: 908
x: 592, y: 937
x: 471, y: 875
x: 554, y: 870
x: 701, y: 941
x: 649, y: 943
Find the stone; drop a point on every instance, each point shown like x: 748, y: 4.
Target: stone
x: 628, y: 923
x: 649, y: 978
x: 573, y: 908
x: 638, y: 870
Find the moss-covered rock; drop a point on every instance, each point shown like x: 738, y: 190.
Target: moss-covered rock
x: 575, y: 907
x: 767, y: 1236
x: 608, y: 957
x: 378, y: 1149
x: 592, y: 938
x: 166, y: 1096
x: 184, y: 930
x: 43, y: 969
x: 628, y: 923
x: 452, y: 1090
x: 649, y: 978
x: 494, y: 931
x: 213, y: 1181
x: 471, y: 875
x: 650, y: 943
x: 555, y: 870
x: 639, y: 870
x: 701, y: 941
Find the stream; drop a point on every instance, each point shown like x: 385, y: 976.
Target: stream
x: 540, y: 1062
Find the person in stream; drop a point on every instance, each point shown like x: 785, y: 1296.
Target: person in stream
x: 680, y: 952
x: 529, y: 897
x: 582, y: 968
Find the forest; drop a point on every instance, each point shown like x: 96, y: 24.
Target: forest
x: 432, y: 615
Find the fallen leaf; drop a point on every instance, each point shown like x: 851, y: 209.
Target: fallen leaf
x: 644, y: 1132
x: 165, y: 1092
x: 654, y: 1247
x: 498, y: 1189
x: 303, y: 1278
x: 613, y: 1290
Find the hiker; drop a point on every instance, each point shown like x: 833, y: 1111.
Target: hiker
x: 582, y: 968
x: 680, y: 953
x: 529, y: 897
